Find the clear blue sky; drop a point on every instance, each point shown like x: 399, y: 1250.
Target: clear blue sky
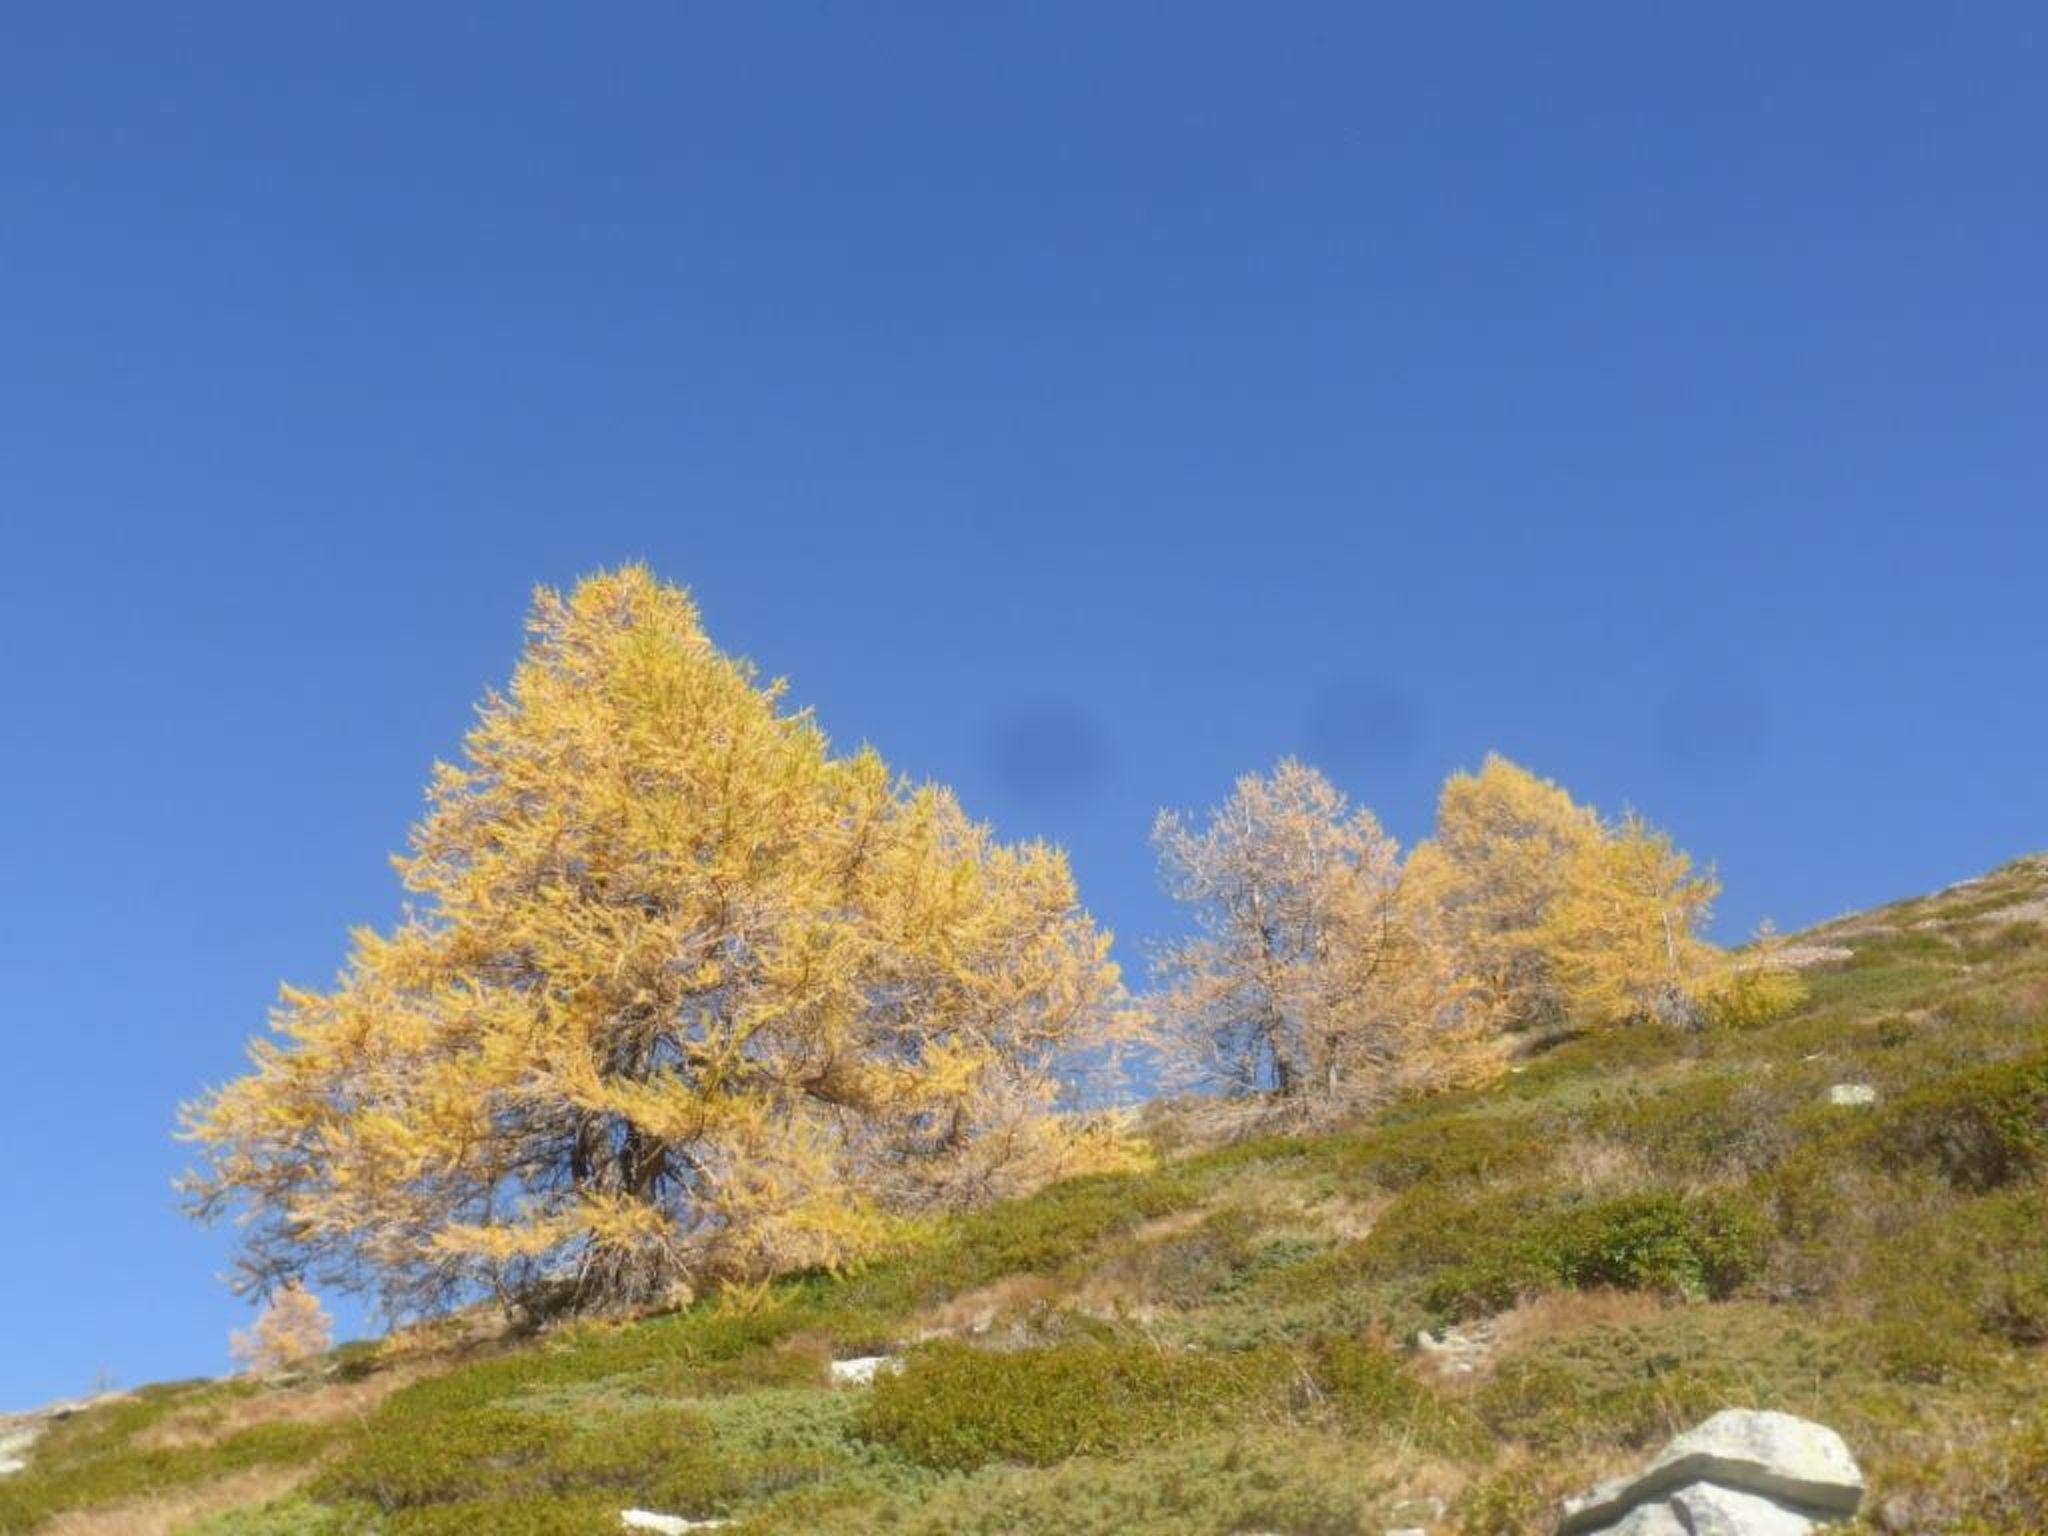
x: 1084, y: 403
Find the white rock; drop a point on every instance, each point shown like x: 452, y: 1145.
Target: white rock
x: 1850, y: 1094
x: 1711, y: 1510
x: 862, y: 1371
x: 1779, y: 1455
x: 9, y: 1465
x: 1648, y: 1520
x: 666, y: 1525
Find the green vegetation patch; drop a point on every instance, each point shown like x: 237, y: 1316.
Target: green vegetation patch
x: 94, y: 1459
x: 958, y: 1407
x: 1982, y: 1129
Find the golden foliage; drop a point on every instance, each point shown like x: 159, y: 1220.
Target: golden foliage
x: 1621, y: 934
x: 684, y: 994
x: 1325, y: 965
x: 293, y: 1327
x: 1503, y: 848
x: 1753, y: 987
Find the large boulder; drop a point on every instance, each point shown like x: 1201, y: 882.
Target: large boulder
x: 1744, y: 1472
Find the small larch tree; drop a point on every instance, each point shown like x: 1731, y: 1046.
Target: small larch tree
x: 1296, y: 900
x: 293, y: 1327
x: 681, y: 994
x: 1503, y: 850
x: 1622, y: 935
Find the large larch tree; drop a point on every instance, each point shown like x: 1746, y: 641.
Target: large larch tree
x: 680, y: 994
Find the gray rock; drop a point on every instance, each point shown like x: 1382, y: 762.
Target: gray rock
x: 1787, y: 1459
x: 1850, y: 1095
x: 1711, y: 1510
x: 1658, y: 1519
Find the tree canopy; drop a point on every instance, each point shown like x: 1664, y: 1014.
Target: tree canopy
x: 681, y: 993
x: 1325, y: 966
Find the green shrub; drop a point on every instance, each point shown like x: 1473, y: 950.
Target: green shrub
x: 505, y: 1454
x: 1244, y: 1479
x: 954, y: 1406
x: 1371, y: 1390
x: 1626, y: 1385
x: 1982, y: 1128
x: 1691, y: 1245
x: 1444, y: 1149
x: 1052, y: 1229
x: 1727, y: 1122
x: 1682, y: 1245
x: 92, y: 1460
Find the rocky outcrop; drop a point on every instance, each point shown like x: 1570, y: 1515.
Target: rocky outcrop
x: 1743, y: 1472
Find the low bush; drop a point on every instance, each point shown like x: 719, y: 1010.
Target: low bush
x: 1684, y: 1245
x: 1463, y: 1149
x: 98, y: 1462
x: 1052, y: 1229
x: 1694, y: 1246
x: 956, y: 1407
x: 1983, y: 1128
x: 504, y: 1454
x: 1372, y: 1390
x: 1702, y: 1125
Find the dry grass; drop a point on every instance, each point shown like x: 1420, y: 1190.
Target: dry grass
x: 192, y: 1428
x: 168, y: 1512
x: 1178, y: 1223
x: 1800, y: 956
x: 979, y: 1310
x: 1585, y: 1162
x: 1347, y: 1218
x: 1562, y: 1313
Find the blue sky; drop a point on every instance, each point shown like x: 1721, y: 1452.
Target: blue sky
x: 1084, y: 403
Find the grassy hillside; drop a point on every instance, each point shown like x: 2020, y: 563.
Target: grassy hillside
x: 1633, y: 1229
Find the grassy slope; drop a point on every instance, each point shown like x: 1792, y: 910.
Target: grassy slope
x: 1648, y: 1226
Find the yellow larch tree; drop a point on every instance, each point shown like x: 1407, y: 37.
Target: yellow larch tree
x: 1502, y: 851
x: 1622, y: 936
x: 293, y: 1327
x: 680, y: 994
